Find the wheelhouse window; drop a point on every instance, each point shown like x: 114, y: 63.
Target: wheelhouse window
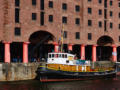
x: 63, y: 56
x: 53, y: 55
x: 59, y: 55
x: 50, y: 55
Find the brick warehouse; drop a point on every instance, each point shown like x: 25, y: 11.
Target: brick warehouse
x: 32, y: 28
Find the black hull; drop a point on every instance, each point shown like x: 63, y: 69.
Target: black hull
x: 45, y: 75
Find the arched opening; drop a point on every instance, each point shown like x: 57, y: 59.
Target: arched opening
x: 104, y: 49
x: 40, y: 45
x: 105, y: 41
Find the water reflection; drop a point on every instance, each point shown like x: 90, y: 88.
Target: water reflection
x: 102, y: 84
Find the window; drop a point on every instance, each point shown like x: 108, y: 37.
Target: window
x: 34, y: 2
x: 100, y: 24
x: 105, y: 13
x: 89, y: 22
x: 119, y: 15
x: 33, y: 16
x: 100, y: 12
x: 89, y: 36
x: 64, y: 6
x: 89, y: 10
x: 119, y: 26
x: 105, y: 25
x: 42, y: 4
x: 67, y: 61
x: 77, y: 35
x: 65, y: 34
x: 111, y: 13
x: 42, y: 18
x: 64, y: 19
x: 17, y: 10
x: 111, y: 3
x: 89, y: 0
x: 111, y: 25
x: 53, y: 55
x: 77, y: 8
x: 119, y: 38
x: 105, y: 3
x: 119, y: 4
x: 17, y: 31
x: 50, y: 55
x: 50, y: 18
x: 50, y: 4
x: 77, y: 21
x: 17, y: 3
x: 100, y: 1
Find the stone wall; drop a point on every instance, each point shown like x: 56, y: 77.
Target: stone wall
x: 18, y: 71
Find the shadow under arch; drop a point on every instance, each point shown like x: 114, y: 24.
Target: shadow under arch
x: 104, y: 48
x: 40, y: 44
x: 105, y: 41
x: 41, y: 36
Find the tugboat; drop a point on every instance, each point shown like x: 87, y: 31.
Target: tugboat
x: 64, y: 67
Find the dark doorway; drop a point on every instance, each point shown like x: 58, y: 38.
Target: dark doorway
x: 118, y: 54
x: 104, y: 53
x: 104, y: 48
x: 65, y: 48
x: 76, y: 50
x: 16, y: 50
x: 1, y: 52
x: 88, y: 52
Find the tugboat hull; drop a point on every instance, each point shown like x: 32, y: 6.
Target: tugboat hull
x: 46, y: 75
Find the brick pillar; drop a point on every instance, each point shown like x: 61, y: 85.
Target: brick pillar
x: 70, y: 47
x: 7, y: 52
x: 25, y: 52
x: 83, y: 52
x: 56, y: 47
x: 94, y: 53
x: 114, y: 54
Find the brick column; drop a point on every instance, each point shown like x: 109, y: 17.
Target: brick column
x: 56, y: 47
x: 83, y: 52
x: 94, y: 53
x: 25, y: 52
x: 7, y: 52
x: 114, y: 54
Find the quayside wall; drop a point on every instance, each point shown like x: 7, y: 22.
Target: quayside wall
x: 22, y: 71
x: 18, y: 71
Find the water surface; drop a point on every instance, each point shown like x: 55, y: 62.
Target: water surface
x: 100, y: 84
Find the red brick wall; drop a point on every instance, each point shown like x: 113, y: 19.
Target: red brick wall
x: 28, y: 26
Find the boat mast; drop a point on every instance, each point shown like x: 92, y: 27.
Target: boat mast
x: 62, y: 37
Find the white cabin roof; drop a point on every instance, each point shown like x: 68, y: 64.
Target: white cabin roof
x: 61, y: 53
